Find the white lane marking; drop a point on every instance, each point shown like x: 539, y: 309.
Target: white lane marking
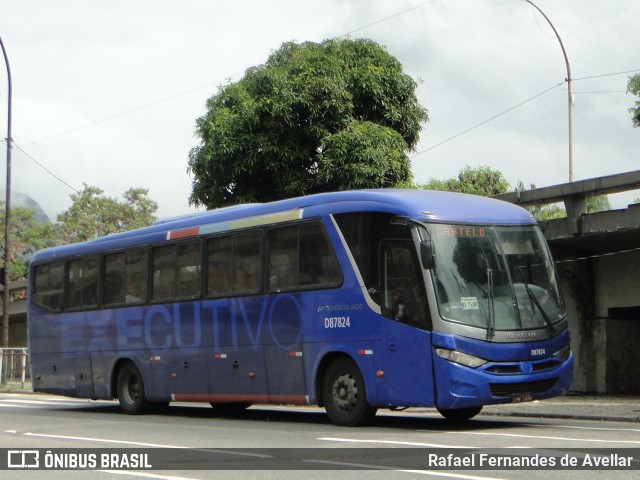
x: 574, y: 427
x: 392, y: 442
x: 145, y: 475
x: 2, y: 405
x: 542, y: 437
x: 141, y: 444
x: 419, y: 472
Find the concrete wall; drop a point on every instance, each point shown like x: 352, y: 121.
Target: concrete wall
x: 618, y: 302
x: 603, y: 302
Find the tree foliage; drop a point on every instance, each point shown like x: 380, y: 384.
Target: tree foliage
x: 335, y: 115
x: 484, y: 181
x: 93, y: 214
x: 27, y: 236
x: 633, y: 86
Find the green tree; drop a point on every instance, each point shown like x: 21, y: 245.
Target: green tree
x: 483, y: 181
x: 598, y: 203
x: 27, y: 236
x: 633, y: 86
x: 94, y: 214
x: 315, y: 117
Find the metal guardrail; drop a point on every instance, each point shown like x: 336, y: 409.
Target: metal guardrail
x: 14, y: 365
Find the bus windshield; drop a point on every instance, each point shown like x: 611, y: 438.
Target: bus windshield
x: 498, y: 278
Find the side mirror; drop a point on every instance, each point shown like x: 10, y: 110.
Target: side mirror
x: 427, y: 256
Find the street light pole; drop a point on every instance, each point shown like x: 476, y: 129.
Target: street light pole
x: 569, y: 94
x: 7, y: 242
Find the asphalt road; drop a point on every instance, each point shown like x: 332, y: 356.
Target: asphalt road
x: 188, y: 441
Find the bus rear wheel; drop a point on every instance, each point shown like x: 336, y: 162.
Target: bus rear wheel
x: 131, y: 390
x: 459, y: 414
x: 344, y: 394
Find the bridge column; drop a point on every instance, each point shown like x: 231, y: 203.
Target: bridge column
x: 576, y: 207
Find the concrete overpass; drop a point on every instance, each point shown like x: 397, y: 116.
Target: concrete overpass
x: 598, y: 258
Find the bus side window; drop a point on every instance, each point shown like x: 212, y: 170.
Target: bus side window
x: 164, y: 273
x: 48, y: 286
x: 82, y: 283
x: 189, y: 268
x: 247, y: 263
x: 136, y: 268
x: 176, y: 271
x: 403, y: 295
x: 125, y: 278
x: 219, y: 255
x: 318, y: 263
x: 300, y: 256
x: 113, y: 283
x: 283, y: 258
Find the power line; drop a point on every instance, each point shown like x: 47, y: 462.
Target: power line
x: 609, y: 254
x: 486, y: 121
x: 417, y: 7
x: 599, y: 91
x: 128, y: 112
x: 44, y: 168
x: 604, y: 75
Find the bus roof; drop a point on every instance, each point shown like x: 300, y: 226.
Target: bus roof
x: 421, y: 205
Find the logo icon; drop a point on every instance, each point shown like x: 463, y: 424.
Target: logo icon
x: 23, y: 459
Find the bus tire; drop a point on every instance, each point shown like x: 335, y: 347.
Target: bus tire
x: 131, y: 390
x: 345, y: 395
x: 459, y: 414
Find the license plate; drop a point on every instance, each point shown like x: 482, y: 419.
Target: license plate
x: 522, y: 397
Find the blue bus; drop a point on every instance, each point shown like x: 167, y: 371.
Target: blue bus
x: 354, y: 301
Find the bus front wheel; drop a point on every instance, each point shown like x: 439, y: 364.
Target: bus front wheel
x: 131, y: 390
x: 344, y: 394
x: 459, y: 414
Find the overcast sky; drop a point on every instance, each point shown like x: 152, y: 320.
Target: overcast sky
x: 107, y: 92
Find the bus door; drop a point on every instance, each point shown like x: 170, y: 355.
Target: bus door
x: 407, y: 368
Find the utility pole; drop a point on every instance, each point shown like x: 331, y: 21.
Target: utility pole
x: 569, y: 93
x: 7, y: 230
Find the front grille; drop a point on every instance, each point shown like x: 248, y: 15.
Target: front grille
x: 547, y: 365
x: 504, y: 369
x: 508, y: 389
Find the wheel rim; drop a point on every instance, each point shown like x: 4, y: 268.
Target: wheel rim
x: 345, y: 393
x: 133, y: 389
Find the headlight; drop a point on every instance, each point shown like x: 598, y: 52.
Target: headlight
x: 461, y: 358
x: 564, y: 353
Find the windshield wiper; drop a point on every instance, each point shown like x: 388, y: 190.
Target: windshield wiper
x: 534, y: 301
x: 491, y: 321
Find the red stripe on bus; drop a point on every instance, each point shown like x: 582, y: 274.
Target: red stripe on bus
x: 226, y: 398
x: 187, y: 232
